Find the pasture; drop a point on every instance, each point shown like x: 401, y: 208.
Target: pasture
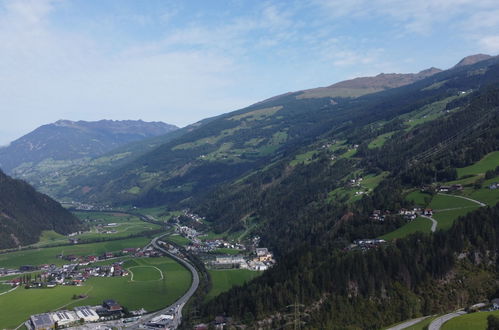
x: 151, y: 293
x: 488, y: 162
x: 41, y: 256
x: 417, y: 225
x: 473, y: 321
x: 224, y: 280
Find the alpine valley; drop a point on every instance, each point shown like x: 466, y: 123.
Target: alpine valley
x: 377, y: 197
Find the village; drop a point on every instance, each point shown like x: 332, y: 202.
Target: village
x: 248, y: 256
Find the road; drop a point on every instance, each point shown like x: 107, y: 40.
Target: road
x: 180, y: 303
x: 176, y: 307
x: 434, y: 222
x: 467, y: 198
x: 407, y: 323
x: 439, y: 321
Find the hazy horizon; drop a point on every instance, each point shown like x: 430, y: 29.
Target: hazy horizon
x: 182, y: 62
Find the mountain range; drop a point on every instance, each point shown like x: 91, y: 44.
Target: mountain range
x: 25, y: 213
x: 307, y: 171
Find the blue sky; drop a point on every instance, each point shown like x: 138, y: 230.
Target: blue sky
x: 181, y: 61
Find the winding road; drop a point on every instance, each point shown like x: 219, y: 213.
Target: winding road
x: 467, y: 198
x: 439, y: 321
x: 434, y: 222
x: 408, y: 323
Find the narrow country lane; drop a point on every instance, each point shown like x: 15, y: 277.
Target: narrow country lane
x: 437, y: 323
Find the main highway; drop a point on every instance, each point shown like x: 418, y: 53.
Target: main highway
x: 175, y: 308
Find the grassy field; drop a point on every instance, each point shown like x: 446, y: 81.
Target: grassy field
x: 180, y: 240
x: 473, y: 321
x: 4, y: 287
x: 442, y: 202
x: 223, y: 280
x: 380, y: 140
x: 485, y: 195
x: 489, y: 162
x: 49, y: 255
x: 419, y: 198
x: 371, y: 181
x: 445, y: 219
x: 419, y: 224
x: 126, y: 225
x: 150, y: 293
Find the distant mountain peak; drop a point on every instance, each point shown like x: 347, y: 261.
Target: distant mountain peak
x: 366, y: 85
x: 68, y: 140
x: 472, y: 59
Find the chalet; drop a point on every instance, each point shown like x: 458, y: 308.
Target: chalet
x: 494, y: 186
x: 495, y: 304
x: 108, y: 255
x: 130, y: 250
x: 428, y: 212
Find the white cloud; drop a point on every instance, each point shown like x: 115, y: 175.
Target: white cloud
x: 490, y: 44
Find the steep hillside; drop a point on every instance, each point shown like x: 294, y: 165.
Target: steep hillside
x: 240, y: 142
x: 52, y: 154
x: 25, y: 213
x: 67, y: 140
x: 310, y: 206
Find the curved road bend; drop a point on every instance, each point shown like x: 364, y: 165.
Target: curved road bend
x: 178, y: 305
x: 467, y: 198
x: 408, y: 323
x: 434, y: 222
x: 439, y: 321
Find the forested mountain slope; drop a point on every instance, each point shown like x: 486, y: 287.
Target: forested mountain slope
x: 243, y: 141
x: 303, y: 206
x: 70, y: 140
x: 50, y: 155
x: 25, y: 213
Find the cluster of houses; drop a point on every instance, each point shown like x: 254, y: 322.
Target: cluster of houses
x: 454, y: 187
x: 407, y: 214
x: 366, y: 243
x: 70, y: 274
x: 261, y: 260
x: 210, y: 245
x: 188, y: 232
x: 494, y: 186
x: 82, y: 314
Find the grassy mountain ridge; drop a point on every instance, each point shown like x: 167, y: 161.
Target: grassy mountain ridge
x: 242, y: 141
x: 50, y: 155
x: 68, y: 140
x: 25, y: 213
x: 303, y: 217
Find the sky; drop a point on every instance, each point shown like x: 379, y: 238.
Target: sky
x: 182, y: 61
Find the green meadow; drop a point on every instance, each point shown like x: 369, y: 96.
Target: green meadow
x: 224, y: 280
x: 473, y: 321
x: 488, y: 162
x: 417, y: 225
x: 41, y: 256
x: 151, y: 292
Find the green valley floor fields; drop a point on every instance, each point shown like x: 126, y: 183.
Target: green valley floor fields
x: 473, y: 321
x: 49, y: 255
x: 159, y: 283
x: 224, y: 280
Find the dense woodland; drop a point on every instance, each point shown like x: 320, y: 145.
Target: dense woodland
x: 25, y: 213
x: 367, y: 290
x: 309, y: 230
